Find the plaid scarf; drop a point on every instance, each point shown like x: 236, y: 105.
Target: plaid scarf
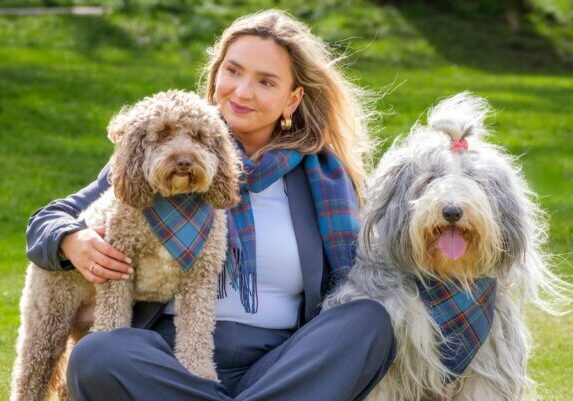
x: 334, y: 202
x: 182, y: 224
x: 464, y: 318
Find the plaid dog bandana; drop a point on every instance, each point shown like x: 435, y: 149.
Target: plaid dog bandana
x: 464, y: 318
x: 182, y: 224
x: 334, y: 202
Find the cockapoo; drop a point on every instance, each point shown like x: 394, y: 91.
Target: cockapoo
x: 166, y: 145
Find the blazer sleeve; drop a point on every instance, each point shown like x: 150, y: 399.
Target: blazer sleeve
x: 48, y: 225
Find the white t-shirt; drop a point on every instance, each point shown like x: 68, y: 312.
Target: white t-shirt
x: 279, y: 274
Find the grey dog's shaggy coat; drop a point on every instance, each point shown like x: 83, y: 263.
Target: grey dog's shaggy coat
x: 503, y: 228
x: 170, y: 143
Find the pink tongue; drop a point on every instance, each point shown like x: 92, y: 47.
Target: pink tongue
x: 452, y: 243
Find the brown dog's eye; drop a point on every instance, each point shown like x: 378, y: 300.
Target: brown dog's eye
x: 164, y: 131
x: 202, y: 136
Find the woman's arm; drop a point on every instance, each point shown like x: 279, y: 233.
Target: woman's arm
x: 56, y: 228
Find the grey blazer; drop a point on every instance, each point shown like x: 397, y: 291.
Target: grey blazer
x: 48, y: 225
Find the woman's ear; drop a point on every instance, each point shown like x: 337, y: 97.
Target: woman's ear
x: 295, y: 97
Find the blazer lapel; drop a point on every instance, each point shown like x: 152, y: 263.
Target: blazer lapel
x: 308, y: 240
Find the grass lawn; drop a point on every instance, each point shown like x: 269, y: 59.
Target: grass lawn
x: 62, y: 78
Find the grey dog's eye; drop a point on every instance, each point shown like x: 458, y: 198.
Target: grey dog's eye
x: 430, y: 178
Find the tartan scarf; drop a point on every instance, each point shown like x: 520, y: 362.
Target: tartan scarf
x: 464, y: 318
x: 334, y: 202
x: 182, y: 224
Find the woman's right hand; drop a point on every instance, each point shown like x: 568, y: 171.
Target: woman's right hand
x: 93, y: 257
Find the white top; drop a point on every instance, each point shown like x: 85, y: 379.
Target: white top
x: 279, y: 274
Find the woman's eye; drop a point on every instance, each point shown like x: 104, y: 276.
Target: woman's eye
x: 265, y: 82
x: 232, y: 71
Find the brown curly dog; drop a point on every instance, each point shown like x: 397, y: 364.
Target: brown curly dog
x: 168, y: 144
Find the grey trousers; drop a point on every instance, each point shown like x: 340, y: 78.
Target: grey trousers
x: 340, y: 355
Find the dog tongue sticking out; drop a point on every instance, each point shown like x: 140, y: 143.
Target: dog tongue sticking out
x: 452, y: 243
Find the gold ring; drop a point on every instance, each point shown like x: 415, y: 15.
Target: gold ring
x: 91, y: 267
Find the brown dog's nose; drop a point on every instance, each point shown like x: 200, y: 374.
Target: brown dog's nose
x: 183, y: 164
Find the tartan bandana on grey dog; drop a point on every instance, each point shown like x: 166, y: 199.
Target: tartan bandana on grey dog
x: 464, y: 318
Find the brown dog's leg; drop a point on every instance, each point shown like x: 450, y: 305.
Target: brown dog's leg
x: 195, y: 304
x: 114, y: 300
x: 195, y: 321
x: 48, y: 306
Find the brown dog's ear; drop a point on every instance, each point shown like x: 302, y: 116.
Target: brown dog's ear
x: 126, y: 168
x: 224, y: 190
x: 118, y: 125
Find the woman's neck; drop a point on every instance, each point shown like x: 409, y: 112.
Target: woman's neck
x: 253, y: 142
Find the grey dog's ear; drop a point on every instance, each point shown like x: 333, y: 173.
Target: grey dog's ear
x: 224, y: 190
x: 126, y: 165
x: 386, y: 200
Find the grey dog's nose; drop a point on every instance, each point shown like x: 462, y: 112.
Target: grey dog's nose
x: 183, y: 164
x: 452, y: 213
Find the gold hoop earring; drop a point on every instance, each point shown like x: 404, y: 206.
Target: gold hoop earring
x: 286, y: 123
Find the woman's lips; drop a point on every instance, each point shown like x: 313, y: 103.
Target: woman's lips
x: 237, y: 108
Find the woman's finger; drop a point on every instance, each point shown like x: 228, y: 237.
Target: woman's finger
x: 103, y: 247
x: 102, y: 272
x: 112, y: 264
x: 89, y: 276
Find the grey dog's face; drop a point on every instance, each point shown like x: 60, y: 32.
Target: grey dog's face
x: 451, y: 214
x: 178, y: 158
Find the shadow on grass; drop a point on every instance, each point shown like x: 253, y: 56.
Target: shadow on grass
x: 486, y: 43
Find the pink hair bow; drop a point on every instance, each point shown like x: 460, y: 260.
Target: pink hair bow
x: 459, y: 145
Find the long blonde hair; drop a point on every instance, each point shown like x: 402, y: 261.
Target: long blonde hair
x: 331, y: 112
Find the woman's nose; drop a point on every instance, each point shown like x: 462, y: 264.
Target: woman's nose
x: 244, y: 89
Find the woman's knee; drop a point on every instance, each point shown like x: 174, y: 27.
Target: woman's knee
x: 369, y: 316
x: 98, y: 355
x: 370, y: 322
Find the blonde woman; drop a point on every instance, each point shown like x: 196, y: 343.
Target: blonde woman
x: 300, y: 127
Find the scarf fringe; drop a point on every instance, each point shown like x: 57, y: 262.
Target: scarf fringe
x: 232, y: 267
x: 241, y: 280
x: 221, y: 286
x: 249, y: 293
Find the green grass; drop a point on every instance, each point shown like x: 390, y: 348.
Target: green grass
x: 62, y: 78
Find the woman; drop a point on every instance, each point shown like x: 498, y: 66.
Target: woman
x: 299, y: 125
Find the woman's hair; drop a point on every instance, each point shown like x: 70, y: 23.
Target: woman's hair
x: 331, y: 112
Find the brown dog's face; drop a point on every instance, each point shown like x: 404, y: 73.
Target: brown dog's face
x: 169, y: 144
x: 178, y: 159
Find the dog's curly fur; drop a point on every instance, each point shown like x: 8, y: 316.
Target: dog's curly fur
x: 504, y: 228
x: 170, y: 143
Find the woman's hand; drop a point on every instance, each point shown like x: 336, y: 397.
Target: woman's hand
x: 93, y: 257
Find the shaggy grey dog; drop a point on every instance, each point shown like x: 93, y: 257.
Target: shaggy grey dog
x: 446, y: 205
x: 168, y: 144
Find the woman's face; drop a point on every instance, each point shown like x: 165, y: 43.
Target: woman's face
x: 253, y: 89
